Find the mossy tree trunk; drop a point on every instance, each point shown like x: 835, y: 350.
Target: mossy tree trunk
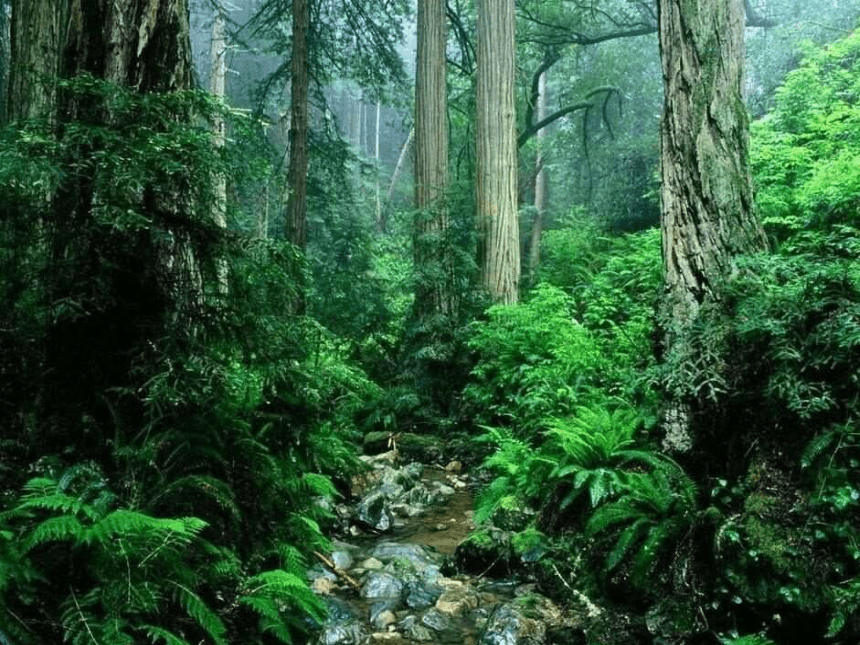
x: 496, y: 181
x: 431, y: 162
x: 708, y: 213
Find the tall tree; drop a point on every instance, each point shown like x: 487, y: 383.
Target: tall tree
x: 218, y: 88
x: 297, y: 202
x: 540, y: 184
x: 431, y: 159
x: 496, y: 184
x: 708, y: 213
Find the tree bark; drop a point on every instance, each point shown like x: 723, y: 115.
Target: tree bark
x: 298, y: 170
x: 496, y: 184
x: 431, y: 161
x: 708, y: 215
x: 218, y: 88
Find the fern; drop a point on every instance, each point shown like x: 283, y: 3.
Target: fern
x: 161, y: 635
x: 653, y: 512
x: 195, y: 607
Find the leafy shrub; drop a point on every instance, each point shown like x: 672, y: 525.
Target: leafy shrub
x: 534, y: 360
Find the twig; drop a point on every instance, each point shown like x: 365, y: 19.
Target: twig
x: 340, y: 573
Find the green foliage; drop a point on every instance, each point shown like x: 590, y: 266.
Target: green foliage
x: 614, y: 281
x: 652, y: 515
x: 534, y: 360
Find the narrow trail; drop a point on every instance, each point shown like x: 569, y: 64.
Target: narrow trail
x: 387, y: 585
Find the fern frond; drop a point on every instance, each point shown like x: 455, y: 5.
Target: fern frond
x: 815, y: 448
x: 58, y: 503
x: 212, y: 487
x: 319, y: 485
x: 197, y: 609
x: 625, y: 541
x: 161, y: 635
x: 281, y: 586
x: 55, y: 529
x: 271, y: 619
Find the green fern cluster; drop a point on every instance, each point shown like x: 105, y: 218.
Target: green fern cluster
x: 649, y: 518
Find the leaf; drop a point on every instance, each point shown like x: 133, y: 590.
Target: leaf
x: 197, y: 609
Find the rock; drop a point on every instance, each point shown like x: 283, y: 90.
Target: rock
x: 454, y: 466
x: 371, y: 564
x: 446, y: 490
x: 457, y: 601
x: 510, y: 626
x: 342, y: 559
x: 437, y: 621
x: 373, y: 511
x: 414, y: 630
x: 319, y: 571
x: 380, y: 584
x: 420, y: 557
x: 411, y: 445
x: 382, y: 615
x: 324, y: 586
x: 343, y: 634
x: 440, y: 527
x: 421, y: 596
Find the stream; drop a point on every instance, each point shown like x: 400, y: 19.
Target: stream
x: 384, y: 582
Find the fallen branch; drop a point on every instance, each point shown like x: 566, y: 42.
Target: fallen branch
x: 336, y: 570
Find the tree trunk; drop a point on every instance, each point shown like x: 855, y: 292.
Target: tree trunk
x: 37, y: 34
x: 380, y: 223
x: 218, y: 88
x: 298, y: 171
x: 540, y: 186
x: 431, y: 161
x: 496, y: 182
x: 5, y: 57
x: 401, y: 160
x: 708, y: 215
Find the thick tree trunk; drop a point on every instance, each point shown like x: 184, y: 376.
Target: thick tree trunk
x: 496, y: 184
x: 708, y: 214
x: 37, y: 35
x: 540, y: 186
x: 298, y: 172
x: 431, y: 161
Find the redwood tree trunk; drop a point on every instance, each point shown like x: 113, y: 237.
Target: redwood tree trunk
x: 431, y: 160
x: 298, y: 171
x: 496, y: 182
x: 708, y: 214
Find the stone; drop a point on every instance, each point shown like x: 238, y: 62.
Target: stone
x: 454, y: 466
x: 420, y: 557
x: 323, y: 586
x: 414, y: 630
x: 373, y: 511
x: 457, y: 601
x: 383, y: 618
x: 420, y: 596
x: 371, y: 564
x: 510, y: 626
x: 437, y: 621
x: 342, y: 559
x: 379, y: 584
x: 343, y: 634
x: 446, y: 490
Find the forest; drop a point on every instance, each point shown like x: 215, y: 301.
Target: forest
x: 477, y: 322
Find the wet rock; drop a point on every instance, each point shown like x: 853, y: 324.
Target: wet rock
x: 406, y: 510
x: 342, y: 626
x: 437, y: 621
x: 457, y: 601
x: 323, y: 586
x: 343, y: 634
x: 445, y: 490
x: 373, y: 511
x: 382, y: 614
x: 510, y: 626
x: 380, y: 584
x: 414, y: 630
x: 371, y: 564
x: 342, y: 559
x: 319, y: 571
x: 421, y: 596
x: 454, y: 466
x: 420, y: 557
